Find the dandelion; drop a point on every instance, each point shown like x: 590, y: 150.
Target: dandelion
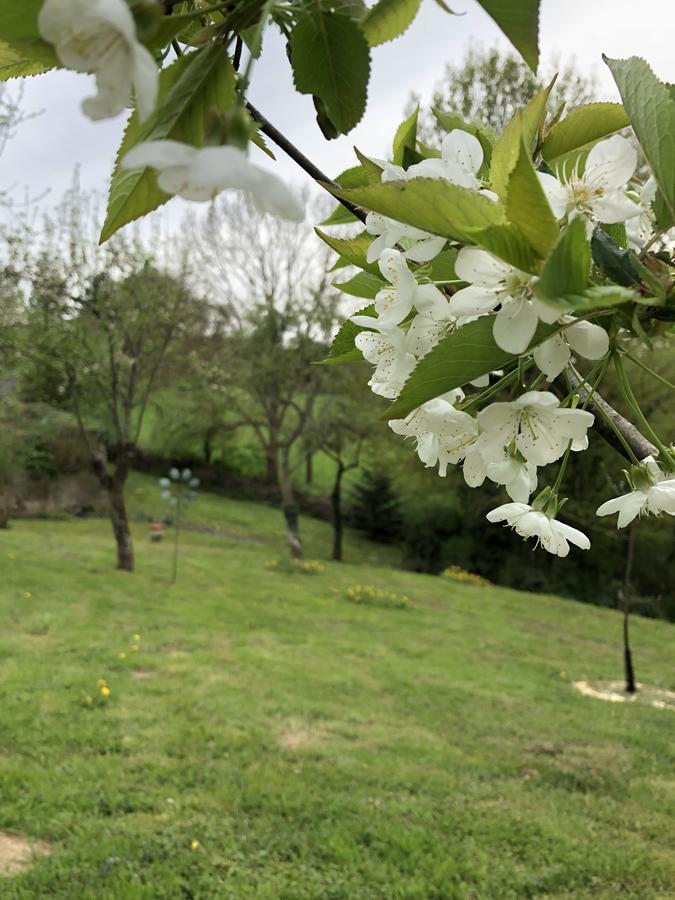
x: 135, y: 638
x: 105, y: 691
x: 121, y: 655
x: 134, y: 648
x: 195, y: 845
x: 27, y: 595
x: 101, y: 683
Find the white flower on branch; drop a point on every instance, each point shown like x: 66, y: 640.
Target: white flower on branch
x: 423, y: 247
x: 552, y: 535
x: 495, y: 283
x: 584, y: 338
x: 200, y: 174
x: 654, y: 494
x: 99, y: 37
x: 393, y: 304
x: 599, y: 192
x: 517, y: 476
x: 387, y: 349
x: 540, y: 428
x: 461, y: 158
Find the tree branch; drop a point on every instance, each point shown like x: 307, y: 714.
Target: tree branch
x: 298, y: 157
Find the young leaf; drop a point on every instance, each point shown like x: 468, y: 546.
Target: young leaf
x: 14, y: 65
x: 364, y: 284
x: 352, y: 250
x: 527, y: 207
x: 331, y: 60
x: 650, y: 105
x: 405, y: 137
x: 567, y: 269
x: 525, y: 126
x: 519, y: 20
x: 462, y: 356
x: 388, y: 19
x: 613, y: 260
x: 188, y: 89
x: 583, y: 126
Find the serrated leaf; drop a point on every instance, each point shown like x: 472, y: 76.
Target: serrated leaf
x: 442, y: 266
x: 519, y: 20
x: 331, y: 60
x: 650, y: 105
x: 371, y: 168
x: 353, y: 250
x: 188, y: 89
x: 19, y: 28
x: 525, y: 126
x: 459, y: 358
x: 364, y: 285
x: 405, y: 137
x: 14, y: 65
x: 600, y: 297
x: 388, y: 19
x: 342, y: 349
x: 527, y: 207
x: 582, y: 126
x: 567, y: 269
x: 613, y: 260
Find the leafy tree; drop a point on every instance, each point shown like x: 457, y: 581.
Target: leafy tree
x: 375, y: 507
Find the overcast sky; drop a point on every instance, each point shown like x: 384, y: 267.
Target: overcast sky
x: 46, y: 149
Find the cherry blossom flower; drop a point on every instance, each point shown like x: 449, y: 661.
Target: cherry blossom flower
x: 461, y: 158
x: 393, y: 304
x: 554, y: 536
x: 387, y: 349
x: 423, y: 246
x: 99, y: 37
x: 540, y: 428
x: 495, y: 283
x: 518, y: 476
x: 584, y: 338
x: 654, y: 493
x: 200, y: 174
x: 599, y: 194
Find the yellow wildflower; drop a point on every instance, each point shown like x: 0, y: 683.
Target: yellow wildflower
x: 121, y: 655
x: 195, y: 845
x: 134, y: 648
x: 135, y: 638
x: 101, y: 683
x: 105, y: 691
x: 27, y: 595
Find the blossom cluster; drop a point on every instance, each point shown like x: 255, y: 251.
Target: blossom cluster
x: 505, y: 442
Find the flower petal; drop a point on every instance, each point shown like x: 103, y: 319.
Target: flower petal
x: 588, y: 340
x: 611, y: 163
x: 464, y: 149
x: 515, y: 325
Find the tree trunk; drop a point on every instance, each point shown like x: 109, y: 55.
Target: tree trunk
x: 120, y: 522
x: 272, y: 475
x: 290, y: 511
x: 629, y: 671
x: 336, y: 504
x: 309, y: 468
x: 5, y: 505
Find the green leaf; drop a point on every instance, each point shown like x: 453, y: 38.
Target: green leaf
x: 459, y: 358
x: 342, y: 349
x: 388, y: 19
x: 14, y: 65
x: 19, y: 28
x: 331, y: 60
x: 650, y: 105
x: 188, y: 89
x: 525, y: 126
x: 583, y: 126
x: 519, y: 20
x: 567, y: 269
x: 362, y: 285
x: 442, y: 266
x: 613, y: 260
x: 405, y: 137
x: 527, y: 207
x: 371, y: 168
x: 352, y: 250
x: 600, y: 297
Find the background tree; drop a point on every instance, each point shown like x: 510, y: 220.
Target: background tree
x: 488, y: 85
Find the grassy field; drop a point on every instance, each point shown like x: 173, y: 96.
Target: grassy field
x: 270, y: 739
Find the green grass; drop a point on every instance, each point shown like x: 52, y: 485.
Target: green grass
x: 316, y: 748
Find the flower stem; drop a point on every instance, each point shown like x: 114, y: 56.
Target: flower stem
x: 638, y: 362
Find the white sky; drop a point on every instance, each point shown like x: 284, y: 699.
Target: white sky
x: 46, y: 148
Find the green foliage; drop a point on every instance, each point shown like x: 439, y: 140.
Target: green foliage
x: 27, y: 50
x: 331, y: 61
x: 519, y: 20
x: 525, y: 127
x: 188, y: 90
x: 458, y: 358
x: 527, y: 207
x: 342, y: 349
x: 405, y: 137
x: 375, y: 508
x: 13, y: 64
x: 650, y: 105
x: 615, y: 261
x: 364, y: 284
x: 388, y: 19
x: 567, y: 269
x: 352, y: 250
x: 583, y: 126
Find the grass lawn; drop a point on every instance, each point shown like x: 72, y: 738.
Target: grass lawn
x: 311, y: 747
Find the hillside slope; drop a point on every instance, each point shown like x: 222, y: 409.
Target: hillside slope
x: 270, y: 739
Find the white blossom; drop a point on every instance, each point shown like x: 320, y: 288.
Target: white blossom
x: 655, y: 494
x: 599, y: 193
x: 393, y: 304
x: 518, y: 476
x: 461, y: 158
x: 99, y: 37
x: 554, y: 536
x: 386, y: 348
x: 423, y: 247
x: 495, y: 283
x: 540, y: 428
x: 584, y: 338
x: 200, y: 174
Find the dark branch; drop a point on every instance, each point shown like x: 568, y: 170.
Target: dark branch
x: 298, y: 157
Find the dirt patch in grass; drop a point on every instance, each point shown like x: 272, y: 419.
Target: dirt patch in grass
x: 142, y: 674
x: 17, y: 853
x: 299, y: 737
x: 614, y: 692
